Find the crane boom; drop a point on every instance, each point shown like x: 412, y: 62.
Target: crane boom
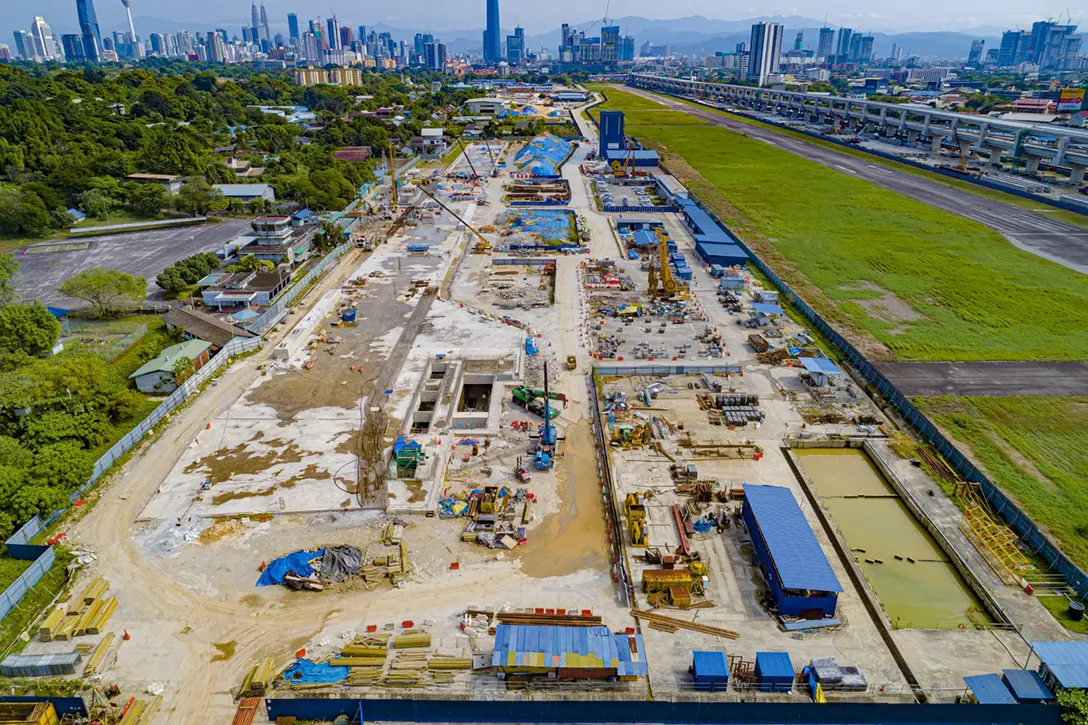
x: 464, y: 152
x: 468, y: 226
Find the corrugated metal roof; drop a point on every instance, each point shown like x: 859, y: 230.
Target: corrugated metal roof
x: 820, y: 365
x: 576, y: 647
x: 1027, y: 685
x: 797, y: 556
x: 1061, y: 653
x: 989, y: 690
x: 774, y: 664
x: 1071, y: 676
x: 766, y: 308
x: 710, y: 664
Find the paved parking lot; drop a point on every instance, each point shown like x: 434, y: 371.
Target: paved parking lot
x: 145, y: 254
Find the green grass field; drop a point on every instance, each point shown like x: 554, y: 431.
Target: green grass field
x: 924, y: 283
x: 1033, y: 448
x: 10, y: 570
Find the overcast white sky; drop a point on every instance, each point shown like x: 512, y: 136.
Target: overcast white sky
x: 539, y: 17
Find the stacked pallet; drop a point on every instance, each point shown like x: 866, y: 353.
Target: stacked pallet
x: 259, y: 678
x: 98, y: 656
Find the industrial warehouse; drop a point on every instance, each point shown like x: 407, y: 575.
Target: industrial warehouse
x: 551, y: 443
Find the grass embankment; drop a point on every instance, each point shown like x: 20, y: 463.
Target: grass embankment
x: 34, y: 603
x: 905, y: 279
x: 1033, y: 449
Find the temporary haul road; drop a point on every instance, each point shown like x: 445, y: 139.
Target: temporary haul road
x: 1051, y: 239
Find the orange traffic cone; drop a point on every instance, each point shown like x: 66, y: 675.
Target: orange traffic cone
x: 127, y: 636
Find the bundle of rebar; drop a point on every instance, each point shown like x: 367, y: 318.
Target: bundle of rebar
x: 569, y: 620
x: 449, y: 662
x: 661, y: 619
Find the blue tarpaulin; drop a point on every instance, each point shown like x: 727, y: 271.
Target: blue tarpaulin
x: 298, y: 563
x: 305, y: 672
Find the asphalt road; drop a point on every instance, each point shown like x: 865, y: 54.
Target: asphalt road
x: 140, y: 253
x: 989, y: 378
x: 1049, y: 238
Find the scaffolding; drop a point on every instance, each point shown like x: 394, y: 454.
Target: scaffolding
x: 993, y: 539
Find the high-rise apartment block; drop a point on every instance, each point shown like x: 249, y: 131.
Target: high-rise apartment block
x: 766, y: 51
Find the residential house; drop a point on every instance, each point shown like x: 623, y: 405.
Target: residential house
x: 170, y: 182
x: 198, y: 326
x: 245, y: 289
x: 247, y: 192
x: 161, y: 376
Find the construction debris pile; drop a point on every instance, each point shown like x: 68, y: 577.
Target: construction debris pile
x: 497, y: 516
x: 515, y: 288
x: 86, y: 614
x: 315, y: 570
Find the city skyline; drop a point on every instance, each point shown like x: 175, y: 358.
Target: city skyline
x: 972, y: 16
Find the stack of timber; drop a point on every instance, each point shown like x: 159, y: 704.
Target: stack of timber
x: 247, y: 711
x: 142, y: 712
x: 98, y: 657
x: 407, y: 669
x: 365, y: 658
x: 565, y: 620
x: 412, y: 639
x: 667, y: 622
x: 259, y: 679
x: 86, y: 614
x: 449, y: 662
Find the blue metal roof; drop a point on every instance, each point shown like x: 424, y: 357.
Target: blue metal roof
x: 798, y: 558
x: 552, y: 646
x: 989, y: 690
x: 1061, y: 653
x: 703, y: 223
x: 774, y: 664
x: 645, y: 238
x: 717, y: 252
x: 710, y: 664
x: 766, y: 309
x: 1074, y: 677
x: 820, y: 365
x: 1027, y: 685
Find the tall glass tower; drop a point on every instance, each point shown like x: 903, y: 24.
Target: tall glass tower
x: 492, y: 42
x: 88, y: 28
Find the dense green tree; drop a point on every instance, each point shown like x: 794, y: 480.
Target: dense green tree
x: 174, y: 151
x: 197, y: 198
x: 106, y: 290
x: 28, y: 328
x: 250, y: 263
x: 8, y: 268
x: 147, y: 199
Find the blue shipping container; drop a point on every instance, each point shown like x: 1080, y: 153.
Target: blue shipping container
x: 710, y: 670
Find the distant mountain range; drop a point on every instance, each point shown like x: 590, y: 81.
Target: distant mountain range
x: 694, y: 35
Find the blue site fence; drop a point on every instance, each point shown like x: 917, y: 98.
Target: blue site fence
x: 19, y: 546
x: 1018, y: 521
x: 643, y: 711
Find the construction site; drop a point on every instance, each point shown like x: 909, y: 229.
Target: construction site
x: 504, y: 454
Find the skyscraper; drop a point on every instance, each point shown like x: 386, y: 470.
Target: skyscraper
x: 332, y: 38
x: 434, y: 55
x: 24, y: 45
x: 842, y: 50
x: 827, y: 43
x: 766, y: 50
x: 799, y: 41
x: 44, y: 45
x: 492, y: 44
x: 217, y: 49
x: 515, y: 47
x: 266, y: 35
x: 610, y: 44
x: 73, y: 48
x: 136, y: 50
x: 88, y: 27
x: 292, y: 28
x: 975, y: 56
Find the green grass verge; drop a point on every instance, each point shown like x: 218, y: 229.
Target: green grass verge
x: 1018, y: 201
x: 1059, y: 609
x: 10, y: 570
x: 1033, y: 449
x: 33, y: 604
x: 922, y: 282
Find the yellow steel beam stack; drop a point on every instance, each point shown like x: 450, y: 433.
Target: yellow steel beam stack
x: 98, y: 657
x: 994, y: 540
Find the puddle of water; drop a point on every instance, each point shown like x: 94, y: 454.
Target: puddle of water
x: 575, y: 537
x: 926, y: 594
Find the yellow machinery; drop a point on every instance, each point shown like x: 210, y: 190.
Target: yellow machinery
x: 626, y: 168
x: 661, y: 273
x: 634, y: 510
x: 664, y: 581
